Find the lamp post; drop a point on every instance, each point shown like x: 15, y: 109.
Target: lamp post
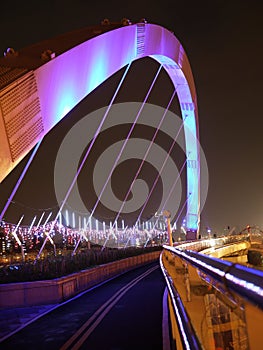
x: 167, y: 215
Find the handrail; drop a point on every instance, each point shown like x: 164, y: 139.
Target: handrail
x: 199, y: 245
x: 245, y: 281
x: 188, y: 336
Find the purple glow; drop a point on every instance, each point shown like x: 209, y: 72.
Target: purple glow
x: 92, y: 143
x: 38, y: 224
x: 68, y: 78
x: 177, y: 313
x: 245, y: 284
x: 86, y: 66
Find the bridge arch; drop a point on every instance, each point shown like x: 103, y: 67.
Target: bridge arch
x: 55, y: 87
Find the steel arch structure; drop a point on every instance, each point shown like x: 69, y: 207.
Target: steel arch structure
x: 35, y: 95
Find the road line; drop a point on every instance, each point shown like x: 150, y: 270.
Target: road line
x: 35, y: 318
x: 107, y: 310
x: 102, y: 312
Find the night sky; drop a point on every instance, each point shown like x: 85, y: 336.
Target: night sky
x: 224, y: 43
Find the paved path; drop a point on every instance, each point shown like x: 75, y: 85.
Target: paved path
x: 125, y: 313
x: 14, y: 318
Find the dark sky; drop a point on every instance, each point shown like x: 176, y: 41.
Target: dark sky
x: 224, y: 43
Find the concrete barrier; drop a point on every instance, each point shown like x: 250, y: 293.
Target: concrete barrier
x: 54, y: 291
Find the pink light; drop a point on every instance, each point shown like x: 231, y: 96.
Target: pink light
x: 66, y: 79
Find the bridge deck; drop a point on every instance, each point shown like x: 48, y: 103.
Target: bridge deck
x: 132, y: 319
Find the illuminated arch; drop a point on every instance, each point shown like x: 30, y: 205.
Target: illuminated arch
x: 57, y: 86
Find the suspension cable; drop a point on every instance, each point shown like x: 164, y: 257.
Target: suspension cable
x: 183, y: 207
x: 170, y: 192
x: 125, y: 142
x: 159, y: 173
x: 20, y: 180
x: 145, y: 156
x: 87, y: 152
x: 93, y: 140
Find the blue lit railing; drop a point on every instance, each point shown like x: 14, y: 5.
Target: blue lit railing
x: 212, y: 302
x: 245, y: 281
x: 188, y: 336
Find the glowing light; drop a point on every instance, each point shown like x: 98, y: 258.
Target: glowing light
x: 98, y: 73
x: 68, y: 78
x: 60, y: 220
x: 48, y: 236
x: 39, y: 222
x: 67, y: 217
x: 83, y: 68
x: 180, y: 312
x: 212, y: 242
x: 66, y: 109
x: 32, y: 223
x: 251, y: 287
x: 47, y: 219
x: 73, y: 220
x: 90, y: 223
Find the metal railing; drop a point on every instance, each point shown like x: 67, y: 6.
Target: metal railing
x: 189, y: 338
x: 235, y: 287
x: 245, y: 281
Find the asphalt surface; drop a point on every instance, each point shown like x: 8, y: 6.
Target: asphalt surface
x: 12, y: 319
x: 124, y: 313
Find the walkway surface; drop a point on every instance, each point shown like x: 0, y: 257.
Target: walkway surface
x: 14, y: 318
x: 124, y: 313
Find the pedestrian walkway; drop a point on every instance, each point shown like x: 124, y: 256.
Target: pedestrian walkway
x: 13, y: 319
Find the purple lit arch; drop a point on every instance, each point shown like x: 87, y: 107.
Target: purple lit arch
x: 50, y: 90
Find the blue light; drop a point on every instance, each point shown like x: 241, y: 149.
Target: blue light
x: 64, y: 81
x: 98, y: 74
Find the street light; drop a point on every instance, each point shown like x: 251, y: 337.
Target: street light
x: 167, y: 215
